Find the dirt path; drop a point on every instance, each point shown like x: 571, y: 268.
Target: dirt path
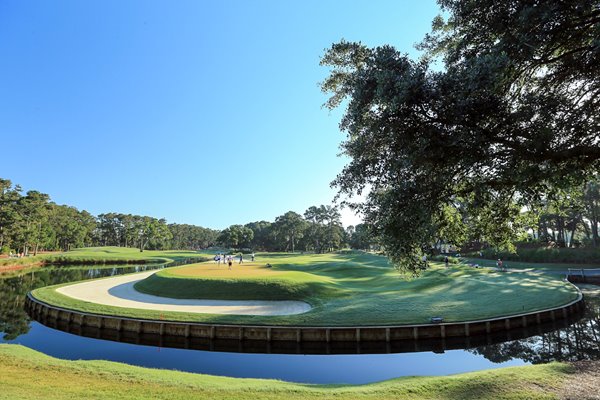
x: 119, y: 291
x: 585, y: 384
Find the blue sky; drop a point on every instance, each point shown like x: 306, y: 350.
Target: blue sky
x: 202, y: 112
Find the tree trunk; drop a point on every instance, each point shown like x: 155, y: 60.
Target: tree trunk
x: 586, y: 228
x: 572, y: 235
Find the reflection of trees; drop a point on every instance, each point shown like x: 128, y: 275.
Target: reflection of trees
x: 580, y: 341
x: 14, y: 321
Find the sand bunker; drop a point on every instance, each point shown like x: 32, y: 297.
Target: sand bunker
x: 119, y: 291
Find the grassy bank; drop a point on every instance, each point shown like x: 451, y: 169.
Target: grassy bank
x: 343, y: 289
x: 27, y: 374
x: 526, y: 265
x: 101, y: 255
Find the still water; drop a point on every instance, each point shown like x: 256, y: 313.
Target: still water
x: 580, y: 340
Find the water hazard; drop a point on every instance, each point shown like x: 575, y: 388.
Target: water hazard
x: 569, y: 340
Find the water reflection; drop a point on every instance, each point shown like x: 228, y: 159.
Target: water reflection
x: 436, y: 345
x: 14, y: 321
x: 578, y: 341
x: 566, y: 340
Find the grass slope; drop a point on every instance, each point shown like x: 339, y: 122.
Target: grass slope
x: 344, y: 289
x: 102, y: 255
x: 530, y: 265
x: 27, y: 374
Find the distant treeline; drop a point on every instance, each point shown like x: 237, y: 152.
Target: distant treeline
x: 319, y: 230
x: 31, y: 222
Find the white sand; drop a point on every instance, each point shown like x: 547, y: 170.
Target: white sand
x: 118, y: 291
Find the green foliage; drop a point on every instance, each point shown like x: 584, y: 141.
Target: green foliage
x: 513, y: 115
x: 441, y: 258
x: 290, y: 228
x: 362, y: 237
x: 320, y: 230
x: 236, y: 236
x: 548, y: 255
x: 192, y: 237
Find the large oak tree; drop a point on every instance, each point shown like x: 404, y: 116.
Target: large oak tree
x: 512, y: 114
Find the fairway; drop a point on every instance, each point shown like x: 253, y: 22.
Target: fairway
x: 343, y: 289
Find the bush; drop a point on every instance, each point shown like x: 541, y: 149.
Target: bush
x: 546, y: 255
x: 5, y: 250
x: 441, y: 257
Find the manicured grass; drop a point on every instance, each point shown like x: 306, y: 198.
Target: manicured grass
x: 529, y: 265
x: 249, y: 281
x: 124, y: 254
x: 26, y: 374
x: 344, y: 289
x: 102, y: 255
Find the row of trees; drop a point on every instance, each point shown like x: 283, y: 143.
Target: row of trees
x: 319, y: 230
x: 31, y: 222
x: 568, y: 217
x: 562, y: 217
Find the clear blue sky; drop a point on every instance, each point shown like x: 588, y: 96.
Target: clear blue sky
x: 202, y: 112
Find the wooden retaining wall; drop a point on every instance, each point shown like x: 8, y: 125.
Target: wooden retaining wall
x: 42, y: 312
x: 593, y: 279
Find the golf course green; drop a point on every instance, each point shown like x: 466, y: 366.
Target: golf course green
x: 343, y: 289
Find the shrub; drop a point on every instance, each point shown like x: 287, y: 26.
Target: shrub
x: 441, y: 257
x: 546, y: 255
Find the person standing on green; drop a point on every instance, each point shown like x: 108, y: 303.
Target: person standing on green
x: 500, y: 264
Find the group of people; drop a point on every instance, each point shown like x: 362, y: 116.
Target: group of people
x: 228, y: 259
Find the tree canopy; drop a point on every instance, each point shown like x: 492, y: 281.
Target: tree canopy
x: 512, y: 115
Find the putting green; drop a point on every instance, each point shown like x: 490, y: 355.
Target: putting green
x: 353, y: 289
x: 214, y: 270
